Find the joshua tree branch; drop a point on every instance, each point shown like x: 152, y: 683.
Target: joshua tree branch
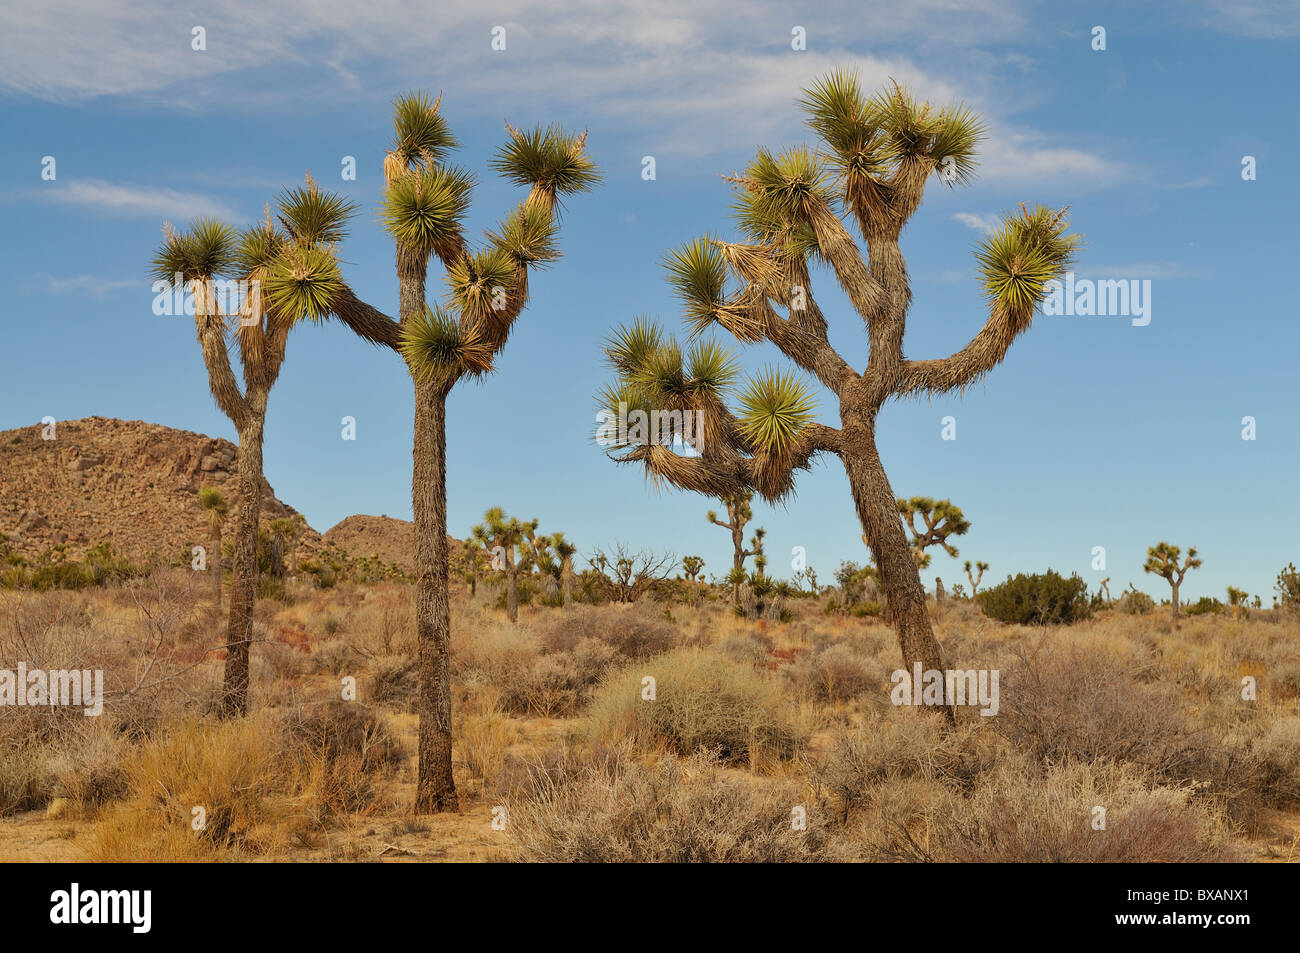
x: 958, y: 371
x: 216, y: 357
x: 365, y: 321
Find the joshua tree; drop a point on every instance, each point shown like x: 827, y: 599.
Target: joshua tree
x: 291, y: 271
x: 565, y: 550
x: 501, y: 536
x: 1287, y: 588
x: 424, y: 206
x: 1105, y: 588
x: 692, y: 566
x: 1162, y: 559
x: 283, y: 529
x: 941, y: 519
x: 1237, y: 599
x: 875, y: 159
x: 468, y: 562
x: 738, y: 515
x: 975, y: 580
x: 210, y: 499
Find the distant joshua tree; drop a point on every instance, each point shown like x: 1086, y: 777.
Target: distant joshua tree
x: 1237, y: 599
x: 1162, y: 560
x: 876, y: 156
x: 507, y: 541
x: 291, y: 271
x: 564, y: 551
x: 941, y: 519
x: 282, y: 530
x: 210, y: 499
x: 975, y: 580
x: 739, y: 514
x: 692, y: 566
x: 1106, y: 589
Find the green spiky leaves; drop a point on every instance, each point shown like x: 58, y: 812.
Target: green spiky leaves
x: 206, y: 249
x: 303, y: 281
x: 527, y: 236
x: 421, y: 137
x: 424, y: 209
x: 629, y: 345
x: 783, y: 186
x: 481, y: 283
x: 775, y: 408
x: 1017, y: 261
x: 434, y: 344
x: 698, y: 272
x: 314, y: 217
x: 547, y: 157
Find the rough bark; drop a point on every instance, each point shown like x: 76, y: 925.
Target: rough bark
x: 214, y: 565
x: 243, y: 570
x: 900, y: 581
x: 435, y: 786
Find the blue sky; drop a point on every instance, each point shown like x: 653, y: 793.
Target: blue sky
x: 1093, y: 432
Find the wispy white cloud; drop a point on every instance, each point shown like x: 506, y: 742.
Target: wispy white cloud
x: 89, y: 284
x: 679, y: 78
x: 119, y: 199
x: 980, y: 223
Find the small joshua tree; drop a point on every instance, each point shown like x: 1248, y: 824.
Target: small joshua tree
x: 1288, y: 589
x: 975, y: 579
x: 564, y: 551
x: 1237, y: 599
x: 1162, y: 560
x: 502, y: 536
x: 282, y: 530
x: 941, y: 519
x: 692, y: 566
x: 739, y: 514
x: 210, y: 499
x: 1105, y: 585
x: 875, y: 158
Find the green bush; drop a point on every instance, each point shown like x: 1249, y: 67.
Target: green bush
x: 1206, y: 605
x: 1040, y: 599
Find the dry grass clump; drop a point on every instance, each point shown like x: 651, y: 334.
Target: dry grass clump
x: 904, y: 746
x: 635, y: 632
x: 675, y: 811
x: 1050, y: 816
x: 1066, y: 702
x: 702, y: 701
x: 833, y: 673
x: 265, y: 783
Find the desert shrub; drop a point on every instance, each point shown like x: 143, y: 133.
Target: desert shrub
x: 24, y: 784
x: 1039, y: 599
x: 702, y: 702
x: 832, y: 673
x: 903, y: 747
x: 673, y: 812
x: 338, y: 729
x: 1022, y: 816
x: 1135, y: 603
x: 1206, y: 605
x: 636, y: 632
x: 1277, y: 753
x: 393, y: 680
x: 753, y: 650
x: 1288, y: 588
x: 337, y: 656
x: 1072, y: 703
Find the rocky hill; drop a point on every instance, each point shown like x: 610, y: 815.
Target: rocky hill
x: 126, y: 482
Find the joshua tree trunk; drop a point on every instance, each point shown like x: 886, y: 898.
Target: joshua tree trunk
x: 243, y: 570
x: 436, y: 789
x: 1174, y: 586
x: 512, y: 590
x: 900, y: 581
x: 214, y: 566
x: 566, y: 581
